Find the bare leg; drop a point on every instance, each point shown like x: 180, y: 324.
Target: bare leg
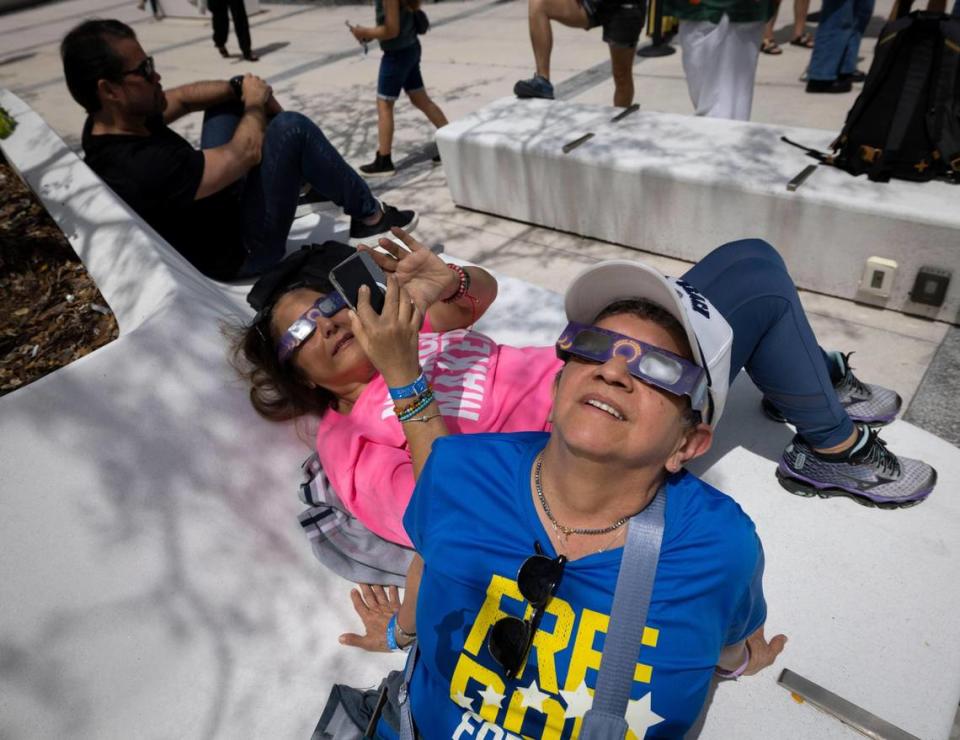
x: 425, y: 105
x: 800, y: 10
x: 385, y: 126
x: 621, y: 61
x: 567, y: 12
x: 768, y: 29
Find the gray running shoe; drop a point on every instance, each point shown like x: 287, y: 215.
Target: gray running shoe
x: 873, y: 476
x: 865, y: 403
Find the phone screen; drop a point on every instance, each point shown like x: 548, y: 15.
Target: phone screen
x: 359, y: 269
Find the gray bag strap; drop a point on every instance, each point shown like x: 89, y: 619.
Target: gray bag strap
x: 407, y: 731
x: 631, y: 601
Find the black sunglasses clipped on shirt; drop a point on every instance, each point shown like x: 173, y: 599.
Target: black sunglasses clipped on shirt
x: 510, y: 638
x: 145, y: 69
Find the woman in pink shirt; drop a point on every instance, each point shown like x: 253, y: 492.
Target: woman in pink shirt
x: 342, y: 372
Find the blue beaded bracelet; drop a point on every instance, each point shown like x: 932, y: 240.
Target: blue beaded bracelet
x: 416, y: 388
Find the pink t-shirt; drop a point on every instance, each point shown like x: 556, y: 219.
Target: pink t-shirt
x: 479, y: 385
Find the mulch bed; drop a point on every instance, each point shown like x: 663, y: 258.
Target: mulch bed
x: 51, y: 312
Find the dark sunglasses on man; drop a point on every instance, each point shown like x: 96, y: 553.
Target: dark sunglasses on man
x: 510, y: 638
x: 145, y: 69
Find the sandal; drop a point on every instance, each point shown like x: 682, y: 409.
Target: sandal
x: 769, y: 46
x: 804, y: 40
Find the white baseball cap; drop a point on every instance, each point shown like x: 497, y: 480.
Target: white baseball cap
x: 709, y: 334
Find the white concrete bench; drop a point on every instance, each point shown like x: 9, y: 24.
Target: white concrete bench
x: 679, y: 185
x: 153, y: 578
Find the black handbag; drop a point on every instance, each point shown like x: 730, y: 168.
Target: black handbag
x: 420, y: 22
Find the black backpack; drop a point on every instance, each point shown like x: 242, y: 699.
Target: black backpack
x: 906, y: 121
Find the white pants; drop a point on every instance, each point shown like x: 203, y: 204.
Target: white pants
x: 720, y: 62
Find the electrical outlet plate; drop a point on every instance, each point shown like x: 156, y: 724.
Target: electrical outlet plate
x: 878, y: 276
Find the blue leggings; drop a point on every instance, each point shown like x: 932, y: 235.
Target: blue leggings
x: 749, y: 284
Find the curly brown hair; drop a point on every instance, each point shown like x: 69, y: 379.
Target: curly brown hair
x: 278, y: 392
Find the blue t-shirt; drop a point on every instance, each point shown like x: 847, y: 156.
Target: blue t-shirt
x: 473, y: 521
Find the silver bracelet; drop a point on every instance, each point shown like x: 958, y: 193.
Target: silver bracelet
x: 421, y: 418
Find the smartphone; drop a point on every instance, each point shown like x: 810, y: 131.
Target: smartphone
x: 356, y: 270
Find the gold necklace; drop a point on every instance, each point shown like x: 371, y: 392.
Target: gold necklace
x: 562, y: 531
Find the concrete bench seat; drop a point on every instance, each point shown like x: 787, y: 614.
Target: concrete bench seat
x: 154, y: 580
x: 679, y: 185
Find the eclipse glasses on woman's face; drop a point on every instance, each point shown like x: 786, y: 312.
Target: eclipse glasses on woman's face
x: 652, y: 365
x: 510, y: 638
x: 300, y: 330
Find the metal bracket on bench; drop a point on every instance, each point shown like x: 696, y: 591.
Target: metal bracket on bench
x: 625, y: 112
x: 571, y: 145
x: 847, y: 712
x: 799, y: 179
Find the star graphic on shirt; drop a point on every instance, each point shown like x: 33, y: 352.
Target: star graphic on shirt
x: 462, y: 701
x: 533, y: 697
x: 578, y: 702
x: 640, y: 716
x: 492, y: 697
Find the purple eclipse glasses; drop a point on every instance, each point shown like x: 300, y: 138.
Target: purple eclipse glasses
x: 650, y: 364
x: 301, y: 329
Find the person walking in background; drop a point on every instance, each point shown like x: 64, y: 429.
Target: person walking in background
x: 720, y: 40
x: 241, y: 26
x: 800, y: 36
x: 154, y: 7
x: 833, y: 64
x: 399, y: 24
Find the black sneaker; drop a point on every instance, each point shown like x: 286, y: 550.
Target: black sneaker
x: 381, y: 166
x: 406, y: 220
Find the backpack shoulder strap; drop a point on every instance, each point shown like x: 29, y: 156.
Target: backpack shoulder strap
x: 628, y: 616
x: 943, y: 118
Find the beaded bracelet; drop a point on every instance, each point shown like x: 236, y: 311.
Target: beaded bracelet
x: 414, y: 401
x: 422, y: 404
x: 464, y: 283
x: 736, y: 673
x: 417, y: 388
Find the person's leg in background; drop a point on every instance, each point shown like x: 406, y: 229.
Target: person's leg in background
x: 221, y: 25
x: 540, y: 14
x: 769, y: 44
x: 748, y: 283
x: 621, y: 33
x: 862, y: 13
x: 837, y: 24
x: 241, y: 27
x: 393, y: 70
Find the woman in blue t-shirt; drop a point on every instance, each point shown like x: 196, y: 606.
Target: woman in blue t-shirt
x: 644, y: 382
x: 399, y: 23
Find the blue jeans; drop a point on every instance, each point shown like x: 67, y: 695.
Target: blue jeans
x: 748, y: 283
x: 294, y: 150
x: 837, y: 43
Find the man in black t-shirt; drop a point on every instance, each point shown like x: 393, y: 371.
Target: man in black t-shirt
x: 228, y: 206
x: 622, y: 22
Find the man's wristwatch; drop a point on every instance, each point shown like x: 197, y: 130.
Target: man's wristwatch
x: 236, y: 84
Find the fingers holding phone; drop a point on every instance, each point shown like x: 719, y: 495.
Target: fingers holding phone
x: 389, y: 338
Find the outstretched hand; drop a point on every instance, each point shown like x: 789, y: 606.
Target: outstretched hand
x: 423, y: 274
x: 375, y: 605
x: 763, y: 653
